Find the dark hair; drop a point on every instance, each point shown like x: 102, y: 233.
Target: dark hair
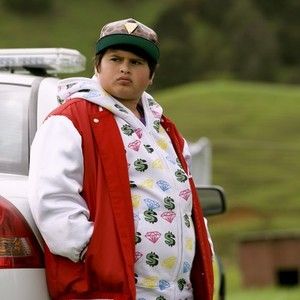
x: 137, y: 51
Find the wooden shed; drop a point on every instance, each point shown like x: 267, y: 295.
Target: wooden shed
x: 270, y: 258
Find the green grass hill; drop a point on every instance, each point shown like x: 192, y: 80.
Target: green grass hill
x: 254, y: 130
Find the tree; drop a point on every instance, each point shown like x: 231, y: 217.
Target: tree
x: 284, y: 15
x: 254, y: 46
x: 175, y: 45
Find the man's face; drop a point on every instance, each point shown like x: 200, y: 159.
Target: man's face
x: 123, y: 75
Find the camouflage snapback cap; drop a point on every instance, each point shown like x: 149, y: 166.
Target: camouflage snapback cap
x: 129, y: 32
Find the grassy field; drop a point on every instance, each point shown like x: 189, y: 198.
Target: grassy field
x: 254, y: 131
x: 266, y: 294
x: 253, y: 127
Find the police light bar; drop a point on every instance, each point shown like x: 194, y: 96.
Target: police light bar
x: 52, y: 60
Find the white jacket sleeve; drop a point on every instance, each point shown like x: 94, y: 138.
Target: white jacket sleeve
x: 55, y: 183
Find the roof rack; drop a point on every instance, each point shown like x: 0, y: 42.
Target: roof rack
x: 42, y: 60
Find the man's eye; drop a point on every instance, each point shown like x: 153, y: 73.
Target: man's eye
x: 114, y: 59
x: 136, y: 62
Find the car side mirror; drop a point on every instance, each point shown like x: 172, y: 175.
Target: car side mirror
x: 212, y: 200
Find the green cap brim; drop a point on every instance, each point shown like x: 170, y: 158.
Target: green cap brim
x: 125, y: 39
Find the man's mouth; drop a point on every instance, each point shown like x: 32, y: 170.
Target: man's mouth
x: 124, y: 79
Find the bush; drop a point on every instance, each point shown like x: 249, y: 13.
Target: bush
x: 29, y: 6
x: 177, y: 64
x: 254, y: 53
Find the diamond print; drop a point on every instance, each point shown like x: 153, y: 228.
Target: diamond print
x: 168, y: 216
x: 153, y: 236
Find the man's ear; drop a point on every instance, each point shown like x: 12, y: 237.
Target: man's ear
x: 152, y: 78
x: 96, y: 70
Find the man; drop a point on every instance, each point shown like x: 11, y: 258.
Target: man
x: 110, y: 188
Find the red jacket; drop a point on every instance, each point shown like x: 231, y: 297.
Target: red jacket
x: 108, y: 269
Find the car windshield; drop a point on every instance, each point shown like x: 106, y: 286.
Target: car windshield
x: 14, y: 101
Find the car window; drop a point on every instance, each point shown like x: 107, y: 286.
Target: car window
x: 14, y: 101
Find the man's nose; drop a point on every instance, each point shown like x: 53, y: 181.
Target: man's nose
x: 124, y: 67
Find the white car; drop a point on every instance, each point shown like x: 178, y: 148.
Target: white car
x: 28, y: 90
x: 27, y: 94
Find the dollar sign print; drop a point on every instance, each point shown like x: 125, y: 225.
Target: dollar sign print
x: 169, y: 203
x: 135, y: 278
x: 187, y: 221
x: 132, y: 184
x: 156, y: 125
x: 180, y: 176
x: 138, y: 238
x: 179, y: 163
x: 150, y: 216
x: 151, y: 101
x: 140, y: 165
x: 127, y: 129
x: 152, y: 259
x: 120, y: 108
x: 170, y: 239
x: 149, y: 148
x: 181, y: 283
